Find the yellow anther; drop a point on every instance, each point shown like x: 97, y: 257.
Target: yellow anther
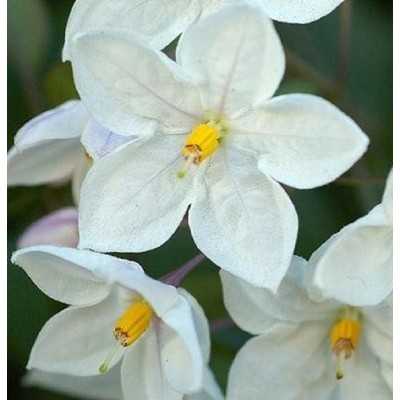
x: 202, y: 142
x: 344, y: 338
x: 133, y: 323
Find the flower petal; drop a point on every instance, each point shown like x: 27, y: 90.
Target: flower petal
x: 181, y: 354
x: 103, y: 387
x: 82, y: 167
x: 47, y: 162
x: 290, y: 362
x: 210, y: 390
x: 233, y: 77
x: 299, y: 11
x: 65, y: 274
x: 124, y: 94
x: 142, y: 375
x: 303, y: 140
x: 256, y: 310
x: 387, y: 200
x: 158, y: 23
x: 59, y: 228
x: 132, y: 200
x: 77, y: 340
x: 244, y: 221
x: 99, y: 141
x: 356, y: 266
x: 201, y: 324
x: 66, y: 121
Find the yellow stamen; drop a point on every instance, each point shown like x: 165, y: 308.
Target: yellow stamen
x: 344, y: 337
x: 202, y: 142
x: 133, y: 323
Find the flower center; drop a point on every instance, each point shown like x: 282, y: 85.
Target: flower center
x: 202, y: 142
x: 129, y: 328
x: 344, y: 337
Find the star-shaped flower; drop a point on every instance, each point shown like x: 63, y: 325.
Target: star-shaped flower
x: 219, y: 146
x: 356, y: 264
x: 48, y: 148
x: 307, y: 350
x: 160, y: 22
x: 117, y: 313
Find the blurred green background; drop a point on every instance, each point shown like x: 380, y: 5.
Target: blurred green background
x: 38, y: 80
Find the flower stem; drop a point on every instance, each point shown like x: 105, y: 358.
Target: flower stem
x: 176, y: 277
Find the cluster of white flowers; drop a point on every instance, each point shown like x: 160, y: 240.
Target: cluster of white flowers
x: 153, y: 139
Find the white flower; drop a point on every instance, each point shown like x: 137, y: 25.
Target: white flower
x: 159, y: 23
x: 106, y: 387
x: 59, y: 228
x: 117, y: 313
x: 48, y: 149
x: 356, y: 265
x: 307, y: 350
x: 217, y: 128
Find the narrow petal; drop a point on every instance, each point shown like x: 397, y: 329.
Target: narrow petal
x: 290, y: 362
x: 138, y: 187
x: 356, y: 266
x: 59, y: 228
x: 181, y: 354
x: 65, y: 274
x: 47, y: 162
x: 387, y: 200
x: 158, y: 23
x: 235, y: 55
x: 103, y: 387
x: 124, y: 94
x: 99, y: 141
x: 303, y: 140
x: 66, y: 121
x: 299, y: 11
x: 77, y: 340
x: 256, y: 310
x: 201, y: 324
x: 243, y: 221
x: 142, y: 375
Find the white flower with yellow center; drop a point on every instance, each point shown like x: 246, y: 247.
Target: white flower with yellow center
x: 307, y: 350
x: 360, y: 257
x: 219, y: 147
x: 117, y: 313
x: 48, y: 148
x: 160, y: 22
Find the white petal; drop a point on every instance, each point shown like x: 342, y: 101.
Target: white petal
x: 210, y: 390
x: 201, y: 324
x: 181, y: 354
x: 235, y: 55
x: 290, y: 362
x: 63, y: 122
x: 364, y: 378
x: 118, y: 89
x: 303, y: 140
x: 299, y: 11
x: 142, y: 375
x: 99, y: 141
x: 103, y: 387
x: 244, y: 222
x: 356, y: 266
x: 387, y: 200
x: 65, y: 274
x: 47, y: 162
x: 59, y: 228
x: 78, y: 340
x: 132, y: 200
x: 81, y: 169
x: 158, y: 23
x: 256, y: 310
